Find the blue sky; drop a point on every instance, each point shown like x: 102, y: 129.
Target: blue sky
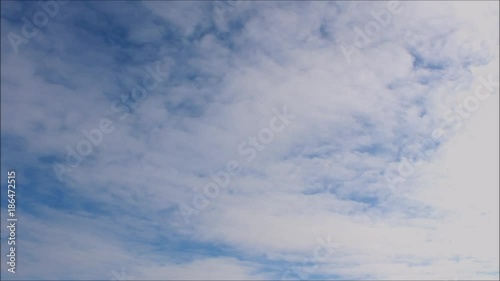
x: 314, y: 125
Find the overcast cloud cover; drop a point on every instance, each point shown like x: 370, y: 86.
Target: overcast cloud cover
x: 344, y: 120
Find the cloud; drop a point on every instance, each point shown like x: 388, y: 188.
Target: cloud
x: 228, y: 67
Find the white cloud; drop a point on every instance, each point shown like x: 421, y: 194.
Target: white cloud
x: 320, y: 176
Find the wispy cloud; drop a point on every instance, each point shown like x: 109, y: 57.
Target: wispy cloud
x: 261, y: 114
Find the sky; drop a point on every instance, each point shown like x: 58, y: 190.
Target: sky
x: 242, y: 140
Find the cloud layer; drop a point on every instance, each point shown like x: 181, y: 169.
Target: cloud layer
x: 221, y: 71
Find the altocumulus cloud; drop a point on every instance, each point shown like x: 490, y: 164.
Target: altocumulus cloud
x: 230, y: 66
